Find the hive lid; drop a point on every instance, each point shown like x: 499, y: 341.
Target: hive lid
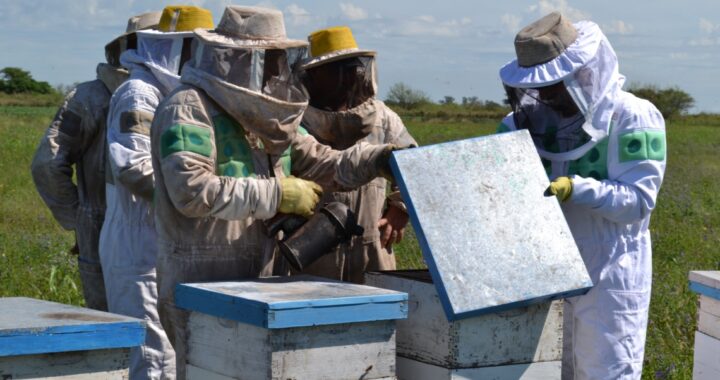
x: 297, y: 301
x: 30, y: 326
x: 491, y: 239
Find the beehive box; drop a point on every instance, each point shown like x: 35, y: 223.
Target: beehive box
x: 526, y: 339
x: 41, y: 339
x: 299, y: 327
x: 707, y: 338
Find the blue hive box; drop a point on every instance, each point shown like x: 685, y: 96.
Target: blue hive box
x: 299, y: 327
x: 47, y: 339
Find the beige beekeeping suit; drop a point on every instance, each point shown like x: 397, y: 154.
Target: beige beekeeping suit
x: 380, y: 125
x: 76, y: 137
x: 219, y: 149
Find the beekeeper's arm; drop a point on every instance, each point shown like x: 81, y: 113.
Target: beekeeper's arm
x: 128, y: 138
x: 636, y: 168
x: 52, y: 165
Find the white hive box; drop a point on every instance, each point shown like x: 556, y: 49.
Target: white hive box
x: 521, y: 343
x: 707, y: 339
x: 299, y: 327
x: 40, y: 339
x: 499, y: 253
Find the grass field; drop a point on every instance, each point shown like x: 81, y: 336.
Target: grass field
x: 34, y: 259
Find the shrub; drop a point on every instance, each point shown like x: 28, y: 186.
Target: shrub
x: 671, y: 102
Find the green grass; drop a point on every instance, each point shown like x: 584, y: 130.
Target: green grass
x: 34, y: 259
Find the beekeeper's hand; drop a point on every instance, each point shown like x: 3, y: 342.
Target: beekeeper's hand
x: 392, y: 226
x: 561, y: 187
x: 299, y: 196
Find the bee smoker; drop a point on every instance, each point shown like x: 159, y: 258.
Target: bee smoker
x: 309, y: 239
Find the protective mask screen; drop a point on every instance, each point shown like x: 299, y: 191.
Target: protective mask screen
x: 550, y: 115
x: 266, y: 71
x: 340, y: 85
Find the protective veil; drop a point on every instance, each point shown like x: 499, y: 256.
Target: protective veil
x: 76, y: 136
x: 220, y: 144
x: 613, y: 147
x: 128, y: 243
x: 373, y: 122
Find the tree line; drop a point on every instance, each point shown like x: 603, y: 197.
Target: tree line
x: 671, y: 102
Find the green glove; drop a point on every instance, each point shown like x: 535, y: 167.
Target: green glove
x: 561, y: 187
x: 299, y: 196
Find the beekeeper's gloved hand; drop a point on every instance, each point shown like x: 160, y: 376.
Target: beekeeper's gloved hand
x: 299, y: 196
x: 561, y: 187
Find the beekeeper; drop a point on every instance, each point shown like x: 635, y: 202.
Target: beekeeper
x: 76, y: 137
x: 604, y: 151
x: 341, y: 81
x: 228, y: 154
x: 128, y: 245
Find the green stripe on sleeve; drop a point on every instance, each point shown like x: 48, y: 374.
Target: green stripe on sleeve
x: 185, y: 138
x: 642, y: 145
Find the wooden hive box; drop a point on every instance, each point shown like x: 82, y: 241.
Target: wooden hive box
x: 41, y: 339
x: 499, y: 253
x: 299, y: 327
x: 521, y: 343
x: 707, y: 337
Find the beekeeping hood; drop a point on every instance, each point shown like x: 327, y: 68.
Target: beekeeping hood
x: 339, y: 73
x: 165, y: 51
x: 551, y: 51
x: 246, y: 66
x: 112, y: 74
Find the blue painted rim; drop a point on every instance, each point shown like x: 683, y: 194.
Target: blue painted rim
x: 705, y: 290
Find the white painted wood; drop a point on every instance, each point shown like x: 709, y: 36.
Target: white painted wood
x: 523, y: 335
x: 192, y: 372
x: 706, y: 360
x: 408, y: 369
x: 82, y: 365
x: 241, y: 351
x: 709, y: 305
x: 708, y: 324
x: 706, y: 277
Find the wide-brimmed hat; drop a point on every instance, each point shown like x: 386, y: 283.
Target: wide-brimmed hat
x: 149, y: 20
x: 544, y: 40
x: 184, y: 18
x: 249, y: 27
x: 333, y: 44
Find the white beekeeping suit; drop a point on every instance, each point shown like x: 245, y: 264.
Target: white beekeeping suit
x: 128, y: 245
x: 566, y: 90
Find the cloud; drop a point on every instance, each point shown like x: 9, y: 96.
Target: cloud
x: 708, y: 26
x: 544, y: 7
x: 618, y: 27
x: 425, y: 25
x: 705, y: 41
x: 511, y: 22
x: 353, y: 12
x: 297, y: 15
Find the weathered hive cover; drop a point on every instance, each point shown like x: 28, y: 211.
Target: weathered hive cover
x: 282, y: 302
x: 30, y: 326
x: 491, y: 239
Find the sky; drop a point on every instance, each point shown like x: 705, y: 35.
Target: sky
x: 451, y: 47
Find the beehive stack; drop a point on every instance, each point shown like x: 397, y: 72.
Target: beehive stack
x: 707, y: 337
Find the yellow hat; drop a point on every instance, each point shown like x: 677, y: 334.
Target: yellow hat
x: 333, y: 44
x: 185, y: 18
